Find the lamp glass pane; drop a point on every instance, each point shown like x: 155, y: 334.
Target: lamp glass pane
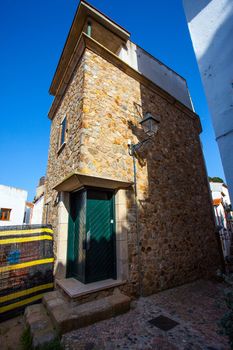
x: 154, y: 127
x: 146, y: 125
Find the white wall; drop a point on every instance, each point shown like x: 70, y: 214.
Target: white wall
x: 37, y: 211
x: 225, y: 235
x: 14, y: 199
x: 210, y: 24
x: 156, y: 71
x: 40, y: 191
x: 220, y: 191
x: 216, y: 189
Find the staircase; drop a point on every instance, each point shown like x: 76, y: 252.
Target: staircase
x: 59, y: 313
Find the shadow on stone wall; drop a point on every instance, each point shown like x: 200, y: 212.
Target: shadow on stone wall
x: 176, y: 229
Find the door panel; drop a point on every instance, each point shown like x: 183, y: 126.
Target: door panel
x: 76, y: 236
x: 91, y: 238
x: 100, y: 253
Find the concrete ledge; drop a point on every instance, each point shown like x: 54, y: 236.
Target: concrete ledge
x: 76, y: 289
x: 78, y: 180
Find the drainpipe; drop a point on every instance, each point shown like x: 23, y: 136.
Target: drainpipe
x: 46, y: 213
x: 132, y: 153
x: 137, y: 230
x: 89, y: 28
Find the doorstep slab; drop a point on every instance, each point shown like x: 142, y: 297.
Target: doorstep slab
x: 75, y: 288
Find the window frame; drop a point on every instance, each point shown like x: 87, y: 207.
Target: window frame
x: 6, y: 217
x: 62, y: 135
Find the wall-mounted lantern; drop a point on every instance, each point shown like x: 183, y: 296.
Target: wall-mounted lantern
x: 150, y: 124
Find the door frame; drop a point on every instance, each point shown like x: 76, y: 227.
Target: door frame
x: 86, y: 188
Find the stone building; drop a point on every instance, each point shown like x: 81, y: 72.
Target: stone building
x: 12, y: 205
x: 103, y: 87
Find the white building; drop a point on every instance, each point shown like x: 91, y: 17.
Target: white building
x: 37, y: 211
x: 223, y: 216
x: 28, y: 213
x: 38, y: 203
x: 210, y: 24
x: 12, y: 205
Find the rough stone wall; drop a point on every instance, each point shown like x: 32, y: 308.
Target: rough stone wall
x: 175, y: 222
x: 176, y: 226
x: 62, y: 163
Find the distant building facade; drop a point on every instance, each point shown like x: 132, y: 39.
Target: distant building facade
x: 12, y: 205
x: 38, y: 203
x: 28, y: 212
x: 210, y: 24
x: 223, y: 214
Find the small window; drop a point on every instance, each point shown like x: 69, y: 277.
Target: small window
x: 5, y: 214
x: 62, y: 133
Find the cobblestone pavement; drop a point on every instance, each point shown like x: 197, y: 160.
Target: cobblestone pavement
x: 10, y: 333
x: 196, y: 307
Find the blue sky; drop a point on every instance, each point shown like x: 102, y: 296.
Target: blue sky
x: 32, y: 37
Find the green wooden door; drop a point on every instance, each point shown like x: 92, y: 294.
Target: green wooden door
x: 91, y: 237
x: 100, y: 238
x: 76, y: 236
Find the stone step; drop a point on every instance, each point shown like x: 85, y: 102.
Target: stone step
x: 75, y: 291
x: 69, y: 316
x: 40, y: 325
